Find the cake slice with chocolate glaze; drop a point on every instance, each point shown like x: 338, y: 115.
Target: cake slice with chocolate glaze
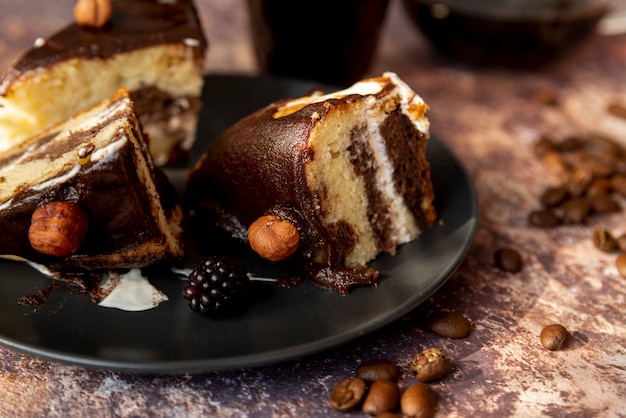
x: 153, y: 48
x: 336, y: 179
x: 86, y: 195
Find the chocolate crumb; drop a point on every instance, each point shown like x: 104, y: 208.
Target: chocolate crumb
x: 37, y: 299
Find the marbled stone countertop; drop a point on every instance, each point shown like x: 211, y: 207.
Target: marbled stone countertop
x: 491, y: 119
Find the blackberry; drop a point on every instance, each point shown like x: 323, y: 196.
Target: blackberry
x: 217, y: 286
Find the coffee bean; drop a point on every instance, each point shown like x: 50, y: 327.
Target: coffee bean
x: 544, y: 218
x: 388, y: 415
x: 599, y: 187
x: 547, y: 97
x: 554, y: 161
x: 419, y: 401
x: 618, y: 183
x: 617, y: 109
x: 431, y: 364
x: 378, y: 369
x: 571, y: 143
x: 620, y: 167
x: 620, y: 263
x: 348, y: 394
x: 605, y: 147
x: 575, y: 211
x: 553, y: 196
x: 383, y: 396
x: 450, y: 325
x: 597, y: 165
x: 604, y: 241
x: 621, y: 242
x: 553, y: 336
x: 544, y: 146
x: 579, y: 182
x: 603, y: 203
x: 509, y: 260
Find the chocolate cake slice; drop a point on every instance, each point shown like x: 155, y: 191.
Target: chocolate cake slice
x: 154, y: 48
x: 85, y: 195
x: 347, y: 170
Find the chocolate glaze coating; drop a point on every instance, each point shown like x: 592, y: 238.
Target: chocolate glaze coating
x: 135, y: 24
x: 239, y: 182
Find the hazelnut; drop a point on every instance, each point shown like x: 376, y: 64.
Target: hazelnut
x: 273, y: 238
x: 95, y: 13
x: 58, y: 228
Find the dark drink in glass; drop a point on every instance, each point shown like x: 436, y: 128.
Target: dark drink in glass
x: 332, y: 41
x: 513, y: 33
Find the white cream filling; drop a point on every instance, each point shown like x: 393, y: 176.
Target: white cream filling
x: 403, y: 222
x: 130, y: 292
x: 110, y: 150
x: 58, y: 180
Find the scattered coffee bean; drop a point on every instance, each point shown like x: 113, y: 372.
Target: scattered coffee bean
x: 544, y: 146
x: 348, y: 394
x: 419, y: 401
x: 544, y: 218
x: 547, y: 98
x: 618, y: 183
x: 571, y: 143
x: 604, y: 241
x: 553, y: 336
x: 605, y: 147
x: 579, y: 182
x: 431, y: 364
x: 450, y: 325
x: 597, y: 166
x: 576, y: 211
x: 388, y: 415
x: 553, y: 196
x: 621, y: 242
x: 603, y: 203
x: 378, y: 369
x: 555, y: 162
x: 383, y: 396
x: 509, y: 260
x: 617, y: 109
x: 599, y: 187
x: 620, y: 263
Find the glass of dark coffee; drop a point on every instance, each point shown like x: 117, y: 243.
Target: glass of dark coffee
x: 514, y: 33
x: 332, y: 41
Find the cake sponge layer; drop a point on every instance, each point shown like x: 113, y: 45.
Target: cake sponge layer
x: 40, y: 98
x: 153, y: 48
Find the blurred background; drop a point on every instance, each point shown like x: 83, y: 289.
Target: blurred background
x: 445, y: 22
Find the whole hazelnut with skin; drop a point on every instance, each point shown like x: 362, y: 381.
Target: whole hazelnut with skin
x: 94, y: 13
x: 58, y: 228
x: 272, y: 238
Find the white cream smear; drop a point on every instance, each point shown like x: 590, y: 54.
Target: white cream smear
x: 130, y: 292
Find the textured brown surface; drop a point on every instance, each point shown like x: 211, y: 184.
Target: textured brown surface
x: 490, y: 119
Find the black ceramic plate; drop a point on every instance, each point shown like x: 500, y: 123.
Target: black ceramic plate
x: 281, y: 323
